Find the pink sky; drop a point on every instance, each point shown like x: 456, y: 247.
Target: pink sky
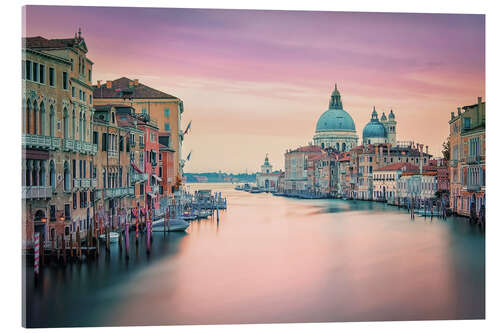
x: 256, y: 82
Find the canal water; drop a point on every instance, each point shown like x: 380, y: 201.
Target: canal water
x: 275, y: 260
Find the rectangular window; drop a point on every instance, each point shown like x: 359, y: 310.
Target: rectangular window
x: 90, y: 99
x: 166, y: 126
x: 141, y: 189
x: 166, y: 112
x: 75, y: 200
x: 74, y: 168
x: 42, y: 73
x: 84, y: 96
x: 95, y: 139
x: 35, y: 72
x: 52, y: 77
x: 67, y: 211
x: 81, y: 168
x: 121, y: 143
x: 52, y: 212
x: 28, y: 70
x: 466, y: 123
x: 80, y: 94
x: 104, y: 142
x: 65, y: 80
x: 90, y: 75
x: 73, y: 92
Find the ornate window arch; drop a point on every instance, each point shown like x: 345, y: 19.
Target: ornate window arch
x: 28, y: 116
x: 52, y: 121
x: 42, y: 118
x: 35, y: 118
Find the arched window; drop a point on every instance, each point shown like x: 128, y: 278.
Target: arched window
x: 28, y: 174
x: 35, y: 118
x: 73, y: 125
x: 28, y: 116
x: 80, y: 126
x: 103, y: 178
x: 52, y: 176
x: 52, y: 121
x: 34, y: 175
x: 42, y: 119
x: 41, y: 174
x: 66, y: 177
x: 65, y: 123
x: 337, y: 146
x: 343, y: 146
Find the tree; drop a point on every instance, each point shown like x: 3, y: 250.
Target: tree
x: 446, y: 149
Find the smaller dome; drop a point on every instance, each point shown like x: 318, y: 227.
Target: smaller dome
x: 383, y: 118
x: 374, y: 129
x: 391, y: 115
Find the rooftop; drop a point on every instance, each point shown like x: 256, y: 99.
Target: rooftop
x: 132, y: 88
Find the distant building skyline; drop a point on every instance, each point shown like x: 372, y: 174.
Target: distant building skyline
x: 256, y: 82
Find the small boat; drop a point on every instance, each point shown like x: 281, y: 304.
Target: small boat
x: 188, y: 216
x: 239, y: 188
x: 113, y: 237
x: 203, y: 214
x: 171, y: 225
x: 255, y: 190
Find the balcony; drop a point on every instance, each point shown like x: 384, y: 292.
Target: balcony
x: 141, y: 145
x: 93, y: 183
x: 139, y: 177
x: 156, y: 189
x: 77, y: 183
x: 68, y: 144
x: 85, y: 183
x: 132, y: 144
x: 79, y: 146
x: 471, y: 188
x: 40, y: 142
x: 453, y: 163
x: 118, y: 192
x: 36, y: 192
x: 473, y: 159
x: 113, y: 154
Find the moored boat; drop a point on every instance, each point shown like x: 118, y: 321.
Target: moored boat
x: 170, y: 225
x: 113, y: 237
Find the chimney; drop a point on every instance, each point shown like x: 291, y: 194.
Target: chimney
x: 459, y: 111
x: 452, y: 115
x: 98, y: 83
x: 109, y: 84
x: 136, y: 82
x: 479, y: 100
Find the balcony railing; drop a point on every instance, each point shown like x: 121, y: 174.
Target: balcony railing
x: 36, y: 192
x: 453, y: 163
x: 79, y: 146
x: 41, y: 141
x: 471, y: 188
x: 118, y: 192
x: 139, y: 177
x: 76, y: 182
x: 141, y: 144
x: 473, y: 159
x: 93, y: 183
x: 156, y: 189
x: 85, y: 183
x: 113, y: 154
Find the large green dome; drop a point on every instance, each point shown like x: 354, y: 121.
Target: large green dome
x: 335, y: 119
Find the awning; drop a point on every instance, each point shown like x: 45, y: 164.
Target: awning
x: 157, y: 178
x: 135, y: 167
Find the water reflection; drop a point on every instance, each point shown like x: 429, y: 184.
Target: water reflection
x: 274, y: 259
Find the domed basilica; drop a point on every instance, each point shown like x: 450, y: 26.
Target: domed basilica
x: 336, y: 129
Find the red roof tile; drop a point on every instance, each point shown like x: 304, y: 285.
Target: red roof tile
x: 125, y: 85
x: 399, y: 166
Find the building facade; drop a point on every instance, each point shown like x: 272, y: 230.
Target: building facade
x: 267, y: 179
x: 166, y: 110
x: 385, y: 181
x: 56, y: 137
x: 467, y: 165
x: 296, y: 164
